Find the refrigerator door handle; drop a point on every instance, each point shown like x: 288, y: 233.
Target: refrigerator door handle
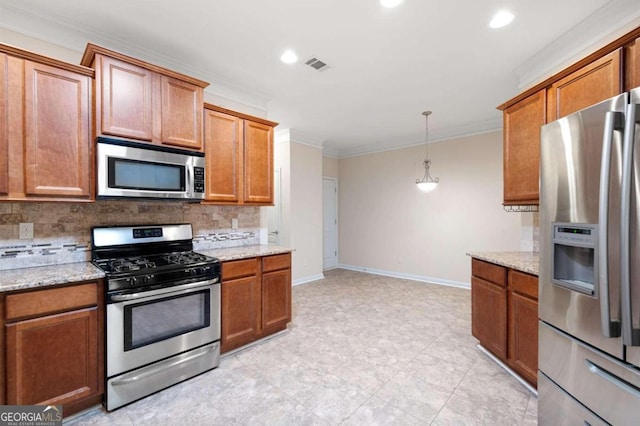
x: 614, y: 121
x: 630, y: 336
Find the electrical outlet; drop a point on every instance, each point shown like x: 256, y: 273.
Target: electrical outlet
x: 234, y: 223
x: 26, y: 231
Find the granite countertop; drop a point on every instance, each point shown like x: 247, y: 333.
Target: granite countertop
x: 43, y: 276
x: 244, y: 252
x: 525, y: 261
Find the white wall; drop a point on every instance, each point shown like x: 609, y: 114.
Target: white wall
x: 301, y: 168
x: 306, y: 212
x: 330, y: 167
x: 388, y: 225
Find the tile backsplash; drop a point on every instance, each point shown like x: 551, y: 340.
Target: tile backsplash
x: 62, y: 231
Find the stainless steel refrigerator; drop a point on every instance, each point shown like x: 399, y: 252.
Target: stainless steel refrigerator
x: 589, y: 294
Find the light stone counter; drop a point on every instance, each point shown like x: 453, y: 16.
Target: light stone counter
x: 43, y: 276
x: 244, y: 252
x: 524, y: 261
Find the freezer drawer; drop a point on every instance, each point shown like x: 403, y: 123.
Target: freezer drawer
x: 605, y: 385
x: 558, y: 408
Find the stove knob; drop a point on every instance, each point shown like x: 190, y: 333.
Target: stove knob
x: 132, y: 281
x: 146, y: 279
x: 194, y: 272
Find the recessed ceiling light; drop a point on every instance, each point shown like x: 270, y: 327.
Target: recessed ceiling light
x: 289, y: 57
x: 390, y: 3
x: 501, y: 18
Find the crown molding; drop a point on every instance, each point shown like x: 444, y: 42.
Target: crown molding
x: 60, y: 32
x: 302, y: 138
x: 608, y: 23
x: 457, y: 132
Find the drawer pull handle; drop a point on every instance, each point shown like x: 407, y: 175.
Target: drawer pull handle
x: 613, y: 379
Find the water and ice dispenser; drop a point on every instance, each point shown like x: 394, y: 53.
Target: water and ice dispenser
x: 575, y: 257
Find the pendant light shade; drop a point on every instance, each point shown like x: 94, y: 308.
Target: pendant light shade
x: 427, y: 183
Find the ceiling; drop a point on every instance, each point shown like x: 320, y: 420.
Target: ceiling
x: 386, y: 66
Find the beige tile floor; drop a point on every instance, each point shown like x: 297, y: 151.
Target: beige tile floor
x: 362, y: 350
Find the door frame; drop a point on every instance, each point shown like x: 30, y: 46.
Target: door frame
x: 335, y: 181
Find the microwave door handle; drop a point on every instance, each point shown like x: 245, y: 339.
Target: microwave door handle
x: 630, y: 336
x: 190, y: 178
x: 614, y: 121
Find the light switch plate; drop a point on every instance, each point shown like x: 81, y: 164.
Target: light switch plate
x: 234, y: 223
x: 26, y: 231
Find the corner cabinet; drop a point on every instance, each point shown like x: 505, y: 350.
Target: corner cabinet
x: 54, y: 342
x: 45, y: 129
x: 522, y: 123
x: 142, y: 101
x: 239, y: 156
x: 255, y: 299
x: 504, y: 315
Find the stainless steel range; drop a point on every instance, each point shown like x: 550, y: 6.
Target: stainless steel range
x: 163, y: 308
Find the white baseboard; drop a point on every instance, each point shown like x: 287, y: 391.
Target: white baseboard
x: 421, y: 278
x: 308, y: 279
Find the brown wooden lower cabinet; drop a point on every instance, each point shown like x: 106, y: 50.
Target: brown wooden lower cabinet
x: 523, y: 325
x: 54, y: 343
x: 504, y: 316
x: 255, y: 299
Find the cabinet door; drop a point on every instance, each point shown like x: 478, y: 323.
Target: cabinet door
x: 522, y: 123
x: 489, y: 316
x: 57, y: 133
x: 591, y: 84
x: 632, y: 65
x: 4, y: 129
x: 258, y: 163
x: 523, y: 336
x: 276, y: 300
x: 181, y: 114
x: 53, y: 359
x: 240, y: 316
x: 223, y: 144
x: 126, y: 99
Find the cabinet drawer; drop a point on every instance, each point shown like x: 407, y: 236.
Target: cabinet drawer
x: 239, y: 268
x: 276, y: 262
x: 490, y: 272
x: 43, y: 302
x: 522, y: 283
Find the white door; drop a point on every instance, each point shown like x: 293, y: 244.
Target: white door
x: 330, y: 222
x: 274, y: 214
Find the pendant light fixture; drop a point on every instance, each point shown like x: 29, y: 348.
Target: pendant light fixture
x: 427, y: 183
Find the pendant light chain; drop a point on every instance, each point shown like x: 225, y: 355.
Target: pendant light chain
x: 427, y: 183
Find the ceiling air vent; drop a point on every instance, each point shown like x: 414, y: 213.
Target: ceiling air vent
x: 317, y: 64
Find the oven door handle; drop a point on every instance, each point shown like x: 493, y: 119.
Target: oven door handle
x: 134, y: 296
x: 162, y: 366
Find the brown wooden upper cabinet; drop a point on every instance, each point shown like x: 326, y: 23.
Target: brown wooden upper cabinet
x: 45, y: 128
x: 142, y: 101
x: 522, y: 123
x: 239, y: 155
x: 605, y: 73
x: 595, y: 82
x: 632, y: 65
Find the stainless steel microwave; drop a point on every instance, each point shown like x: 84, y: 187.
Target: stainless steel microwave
x: 137, y: 170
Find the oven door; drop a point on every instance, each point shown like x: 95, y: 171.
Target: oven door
x: 153, y: 325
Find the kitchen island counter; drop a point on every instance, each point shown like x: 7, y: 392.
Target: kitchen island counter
x: 525, y: 261
x: 43, y: 276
